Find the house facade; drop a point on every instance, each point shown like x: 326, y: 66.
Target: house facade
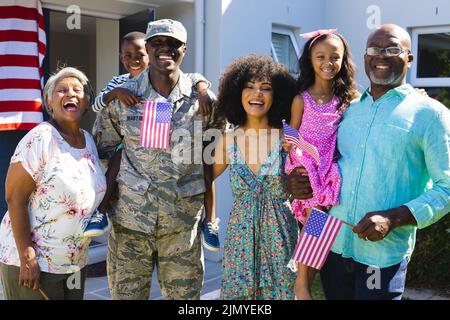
x: 86, y: 34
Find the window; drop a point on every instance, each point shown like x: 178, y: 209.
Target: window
x: 431, y: 66
x: 431, y: 49
x: 284, y: 49
x: 441, y: 94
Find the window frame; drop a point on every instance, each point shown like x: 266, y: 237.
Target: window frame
x: 420, y: 81
x: 288, y: 32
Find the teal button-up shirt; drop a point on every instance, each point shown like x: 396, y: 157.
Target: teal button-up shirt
x: 394, y: 151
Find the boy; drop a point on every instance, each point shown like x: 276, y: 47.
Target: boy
x: 134, y: 58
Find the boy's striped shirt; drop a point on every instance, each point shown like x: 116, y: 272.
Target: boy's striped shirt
x: 115, y: 82
x: 118, y: 81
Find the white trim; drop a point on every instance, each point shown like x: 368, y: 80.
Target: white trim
x: 425, y: 82
x: 92, y: 13
x: 429, y: 82
x: 143, y: 3
x: 200, y: 36
x: 288, y: 32
x: 274, y: 54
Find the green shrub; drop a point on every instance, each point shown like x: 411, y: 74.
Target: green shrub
x: 430, y: 262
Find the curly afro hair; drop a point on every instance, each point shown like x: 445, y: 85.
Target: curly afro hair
x: 255, y: 67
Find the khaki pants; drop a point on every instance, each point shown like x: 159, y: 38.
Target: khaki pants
x: 177, y: 255
x: 55, y: 286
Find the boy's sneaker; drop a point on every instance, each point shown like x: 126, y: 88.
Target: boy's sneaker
x: 98, y: 225
x: 210, y: 235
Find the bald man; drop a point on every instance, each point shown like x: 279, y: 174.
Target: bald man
x: 395, y: 166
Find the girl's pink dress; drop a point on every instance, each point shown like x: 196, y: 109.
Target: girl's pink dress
x: 319, y: 128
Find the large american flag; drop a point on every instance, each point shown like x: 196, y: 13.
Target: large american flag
x: 22, y: 51
x: 316, y: 239
x: 292, y: 136
x: 155, y: 131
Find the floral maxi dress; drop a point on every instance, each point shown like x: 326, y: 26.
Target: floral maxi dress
x: 262, y: 231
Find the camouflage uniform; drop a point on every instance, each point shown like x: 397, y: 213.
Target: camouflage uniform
x: 156, y: 215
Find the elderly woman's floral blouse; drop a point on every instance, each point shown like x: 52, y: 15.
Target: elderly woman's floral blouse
x: 69, y: 186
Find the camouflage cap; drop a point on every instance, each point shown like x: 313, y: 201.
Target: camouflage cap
x: 166, y: 27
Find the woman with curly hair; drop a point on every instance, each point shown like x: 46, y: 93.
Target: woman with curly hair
x: 326, y: 87
x: 254, y: 95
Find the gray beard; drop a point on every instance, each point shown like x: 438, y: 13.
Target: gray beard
x: 384, y: 81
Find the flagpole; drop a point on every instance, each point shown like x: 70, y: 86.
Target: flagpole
x: 350, y: 225
x: 43, y: 294
x: 39, y: 289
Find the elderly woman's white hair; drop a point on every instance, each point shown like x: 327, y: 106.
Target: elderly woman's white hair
x: 67, y: 72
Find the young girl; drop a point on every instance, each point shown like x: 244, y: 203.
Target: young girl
x: 326, y: 86
x: 254, y: 95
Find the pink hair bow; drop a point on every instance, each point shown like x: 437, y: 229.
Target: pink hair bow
x: 317, y: 33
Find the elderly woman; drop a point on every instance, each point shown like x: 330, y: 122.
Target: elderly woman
x: 53, y: 185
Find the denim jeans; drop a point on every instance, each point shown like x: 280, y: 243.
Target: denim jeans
x: 346, y: 279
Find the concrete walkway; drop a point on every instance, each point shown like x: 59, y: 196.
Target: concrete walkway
x: 96, y: 288
x: 413, y: 294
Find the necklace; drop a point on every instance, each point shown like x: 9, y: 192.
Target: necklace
x: 321, y: 98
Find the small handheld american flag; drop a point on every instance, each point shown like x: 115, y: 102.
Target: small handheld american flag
x: 155, y: 130
x: 316, y: 239
x: 292, y: 136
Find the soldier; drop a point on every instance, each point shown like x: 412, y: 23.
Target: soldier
x: 158, y: 208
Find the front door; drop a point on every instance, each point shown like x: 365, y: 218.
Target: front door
x: 135, y: 22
